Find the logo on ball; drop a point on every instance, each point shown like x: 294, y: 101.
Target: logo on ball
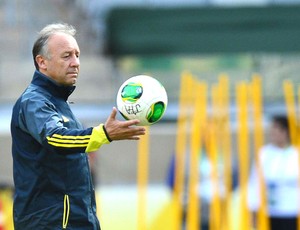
x: 131, y: 92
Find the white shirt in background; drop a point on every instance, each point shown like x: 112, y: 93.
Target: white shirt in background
x: 280, y: 168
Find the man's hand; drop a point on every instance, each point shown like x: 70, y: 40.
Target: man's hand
x: 122, y: 130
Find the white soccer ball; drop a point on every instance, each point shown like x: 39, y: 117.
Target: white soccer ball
x: 144, y: 98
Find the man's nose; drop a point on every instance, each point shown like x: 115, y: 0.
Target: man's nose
x: 75, y: 61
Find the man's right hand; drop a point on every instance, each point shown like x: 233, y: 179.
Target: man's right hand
x: 122, y: 130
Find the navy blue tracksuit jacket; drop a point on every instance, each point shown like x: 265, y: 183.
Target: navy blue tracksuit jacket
x: 53, y: 186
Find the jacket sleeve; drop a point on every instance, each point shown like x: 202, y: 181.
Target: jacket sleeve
x: 42, y: 121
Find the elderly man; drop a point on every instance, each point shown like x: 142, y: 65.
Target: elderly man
x: 53, y: 186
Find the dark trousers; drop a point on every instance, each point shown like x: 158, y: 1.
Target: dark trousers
x: 279, y: 223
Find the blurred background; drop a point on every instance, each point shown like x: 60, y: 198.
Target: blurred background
x: 165, y: 39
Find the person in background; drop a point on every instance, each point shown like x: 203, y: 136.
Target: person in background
x: 52, y: 178
x: 280, y: 171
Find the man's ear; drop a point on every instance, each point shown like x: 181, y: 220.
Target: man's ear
x: 41, y: 61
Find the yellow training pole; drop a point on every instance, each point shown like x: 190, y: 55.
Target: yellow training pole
x: 198, y: 121
x: 291, y: 110
x: 225, y: 145
x: 6, y: 207
x: 142, y: 180
x: 258, y: 134
x: 214, y: 212
x: 181, y: 142
x: 293, y: 123
x: 215, y: 206
x: 243, y: 153
x: 292, y: 117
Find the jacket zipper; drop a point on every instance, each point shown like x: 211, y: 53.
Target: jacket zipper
x: 66, y: 212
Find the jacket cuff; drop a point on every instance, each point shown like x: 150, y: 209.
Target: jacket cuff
x: 108, y: 138
x: 98, y: 138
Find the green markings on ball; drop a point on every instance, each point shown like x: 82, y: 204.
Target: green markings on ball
x: 132, y: 92
x: 156, y: 111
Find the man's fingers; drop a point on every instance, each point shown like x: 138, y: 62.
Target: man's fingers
x: 135, y: 138
x: 113, y: 113
x: 131, y: 122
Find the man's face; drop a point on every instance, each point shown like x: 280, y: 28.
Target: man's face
x: 278, y: 135
x: 63, y: 64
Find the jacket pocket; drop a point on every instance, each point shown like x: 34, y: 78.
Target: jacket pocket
x: 66, y: 212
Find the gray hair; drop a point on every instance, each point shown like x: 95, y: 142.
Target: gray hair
x: 40, y: 46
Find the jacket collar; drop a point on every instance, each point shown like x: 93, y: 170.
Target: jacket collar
x: 51, y: 86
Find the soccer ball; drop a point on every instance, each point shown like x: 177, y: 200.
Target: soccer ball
x: 144, y: 98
